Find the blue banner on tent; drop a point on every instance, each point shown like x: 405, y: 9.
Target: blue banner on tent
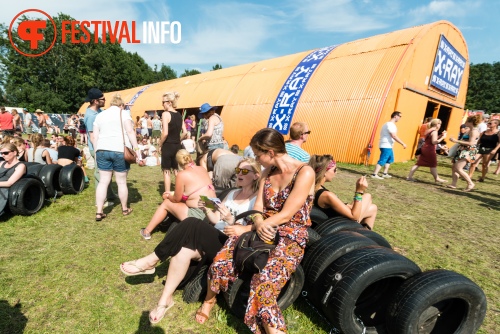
x: 289, y: 95
x: 449, y: 66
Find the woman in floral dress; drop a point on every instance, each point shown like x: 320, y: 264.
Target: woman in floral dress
x: 285, y: 197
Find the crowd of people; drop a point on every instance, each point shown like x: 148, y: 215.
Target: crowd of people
x: 277, y: 178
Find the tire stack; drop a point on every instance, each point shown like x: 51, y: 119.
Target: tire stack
x: 27, y: 196
x: 360, y: 285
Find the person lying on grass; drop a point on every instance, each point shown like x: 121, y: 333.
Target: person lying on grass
x: 194, y: 243
x: 361, y: 209
x: 191, y: 180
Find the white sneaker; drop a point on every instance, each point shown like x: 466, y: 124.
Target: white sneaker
x: 376, y: 176
x: 386, y: 176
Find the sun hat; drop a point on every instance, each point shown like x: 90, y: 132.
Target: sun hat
x: 93, y: 94
x: 39, y: 111
x: 205, y: 107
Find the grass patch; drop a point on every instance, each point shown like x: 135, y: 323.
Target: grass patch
x: 60, y: 269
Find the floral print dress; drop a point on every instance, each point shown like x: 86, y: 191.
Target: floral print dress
x: 266, y: 286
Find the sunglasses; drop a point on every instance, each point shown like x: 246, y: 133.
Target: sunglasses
x: 306, y: 133
x: 243, y: 171
x: 7, y: 152
x: 165, y: 101
x: 102, y: 99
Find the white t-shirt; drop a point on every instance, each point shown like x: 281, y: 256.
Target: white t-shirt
x: 482, y: 127
x: 386, y: 140
x: 110, y: 129
x: 248, y: 152
x: 235, y: 209
x: 189, y: 145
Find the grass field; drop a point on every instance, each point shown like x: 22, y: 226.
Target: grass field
x: 59, y: 269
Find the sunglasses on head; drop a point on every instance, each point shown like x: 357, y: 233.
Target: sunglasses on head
x: 5, y: 152
x: 243, y: 171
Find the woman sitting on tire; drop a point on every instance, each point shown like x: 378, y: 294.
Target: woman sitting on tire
x: 21, y: 148
x: 38, y: 153
x: 68, y: 154
x: 191, y: 182
x: 285, y: 197
x: 195, y: 240
x: 361, y: 209
x: 11, y: 170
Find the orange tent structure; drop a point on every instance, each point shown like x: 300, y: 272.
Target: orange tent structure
x: 349, y: 93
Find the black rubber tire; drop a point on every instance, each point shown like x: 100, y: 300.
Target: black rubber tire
x: 196, y: 289
x: 337, y: 224
x: 324, y: 252
x: 238, y: 292
x: 72, y: 179
x: 26, y: 196
x: 437, y: 301
x: 49, y: 174
x: 380, y: 240
x: 313, y: 236
x: 358, y: 287
x: 33, y: 168
x: 317, y: 216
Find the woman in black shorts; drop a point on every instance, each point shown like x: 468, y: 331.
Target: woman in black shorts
x: 170, y: 140
x: 489, y: 142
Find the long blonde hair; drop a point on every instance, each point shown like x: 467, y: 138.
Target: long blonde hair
x: 36, y: 140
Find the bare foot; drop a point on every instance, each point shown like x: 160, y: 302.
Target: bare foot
x: 469, y: 187
x: 451, y: 187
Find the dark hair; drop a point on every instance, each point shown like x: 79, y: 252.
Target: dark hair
x: 396, y: 113
x: 319, y: 164
x: 268, y: 139
x: 235, y: 149
x: 475, y: 120
x: 69, y: 140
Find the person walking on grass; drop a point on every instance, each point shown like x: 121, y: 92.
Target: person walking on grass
x: 388, y: 135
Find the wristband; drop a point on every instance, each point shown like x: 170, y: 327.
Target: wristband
x: 359, y: 192
x: 358, y: 198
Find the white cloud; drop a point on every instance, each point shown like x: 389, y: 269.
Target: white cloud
x: 444, y: 9
x: 343, y: 15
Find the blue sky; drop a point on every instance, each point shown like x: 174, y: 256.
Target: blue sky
x: 238, y: 32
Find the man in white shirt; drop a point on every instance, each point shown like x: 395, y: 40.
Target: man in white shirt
x: 483, y: 126
x: 388, y: 135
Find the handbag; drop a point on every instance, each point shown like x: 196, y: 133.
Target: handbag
x: 128, y: 153
x: 251, y: 253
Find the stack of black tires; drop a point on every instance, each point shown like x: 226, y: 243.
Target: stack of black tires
x: 27, y: 196
x: 360, y: 285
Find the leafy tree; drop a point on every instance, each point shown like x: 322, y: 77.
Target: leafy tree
x: 484, y: 87
x: 217, y: 67
x: 189, y: 72
x: 165, y: 73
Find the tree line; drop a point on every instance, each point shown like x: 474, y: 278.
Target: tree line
x: 57, y: 80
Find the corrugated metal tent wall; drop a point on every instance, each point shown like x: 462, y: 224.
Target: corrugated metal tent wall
x: 355, y: 85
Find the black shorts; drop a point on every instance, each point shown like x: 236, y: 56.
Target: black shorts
x: 168, y: 152
x: 485, y: 150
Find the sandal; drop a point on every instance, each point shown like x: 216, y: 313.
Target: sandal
x: 140, y: 272
x: 100, y: 216
x: 203, y: 315
x: 159, y: 307
x: 127, y: 211
x: 480, y: 179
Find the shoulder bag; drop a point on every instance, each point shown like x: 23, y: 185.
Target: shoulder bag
x: 128, y: 153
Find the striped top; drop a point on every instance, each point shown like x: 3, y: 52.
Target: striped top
x: 297, y: 153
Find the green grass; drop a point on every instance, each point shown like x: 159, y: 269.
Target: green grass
x: 59, y: 269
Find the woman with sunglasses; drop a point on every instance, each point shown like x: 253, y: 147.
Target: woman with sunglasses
x: 194, y: 243
x: 361, y: 209
x: 11, y: 170
x: 285, y: 197
x: 489, y: 142
x: 170, y: 141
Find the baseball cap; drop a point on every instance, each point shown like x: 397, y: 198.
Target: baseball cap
x: 93, y: 94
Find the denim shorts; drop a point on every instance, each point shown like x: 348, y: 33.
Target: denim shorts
x: 386, y: 156
x: 111, y: 161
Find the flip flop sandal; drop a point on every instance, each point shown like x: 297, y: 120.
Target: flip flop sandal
x: 165, y: 309
x: 140, y: 272
x: 127, y: 211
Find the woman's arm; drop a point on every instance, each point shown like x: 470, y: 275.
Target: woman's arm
x: 18, y: 173
x: 329, y: 200
x: 46, y: 155
x: 472, y: 141
x: 180, y: 181
x: 435, y: 139
x: 301, y: 190
x: 210, y: 130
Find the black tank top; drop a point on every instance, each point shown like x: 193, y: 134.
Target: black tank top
x: 328, y: 211
x: 489, y: 141
x: 174, y: 128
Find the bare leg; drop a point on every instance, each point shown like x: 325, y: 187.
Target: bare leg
x: 204, y: 311
x: 386, y: 168
x: 377, y: 169
x: 179, y: 210
x: 412, y: 170
x: 177, y: 269
x: 473, y: 166
x: 436, y: 176
x: 166, y: 180
x: 271, y: 330
x: 485, y: 165
x: 102, y: 186
x: 121, y: 181
x: 368, y: 211
x: 459, y: 169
